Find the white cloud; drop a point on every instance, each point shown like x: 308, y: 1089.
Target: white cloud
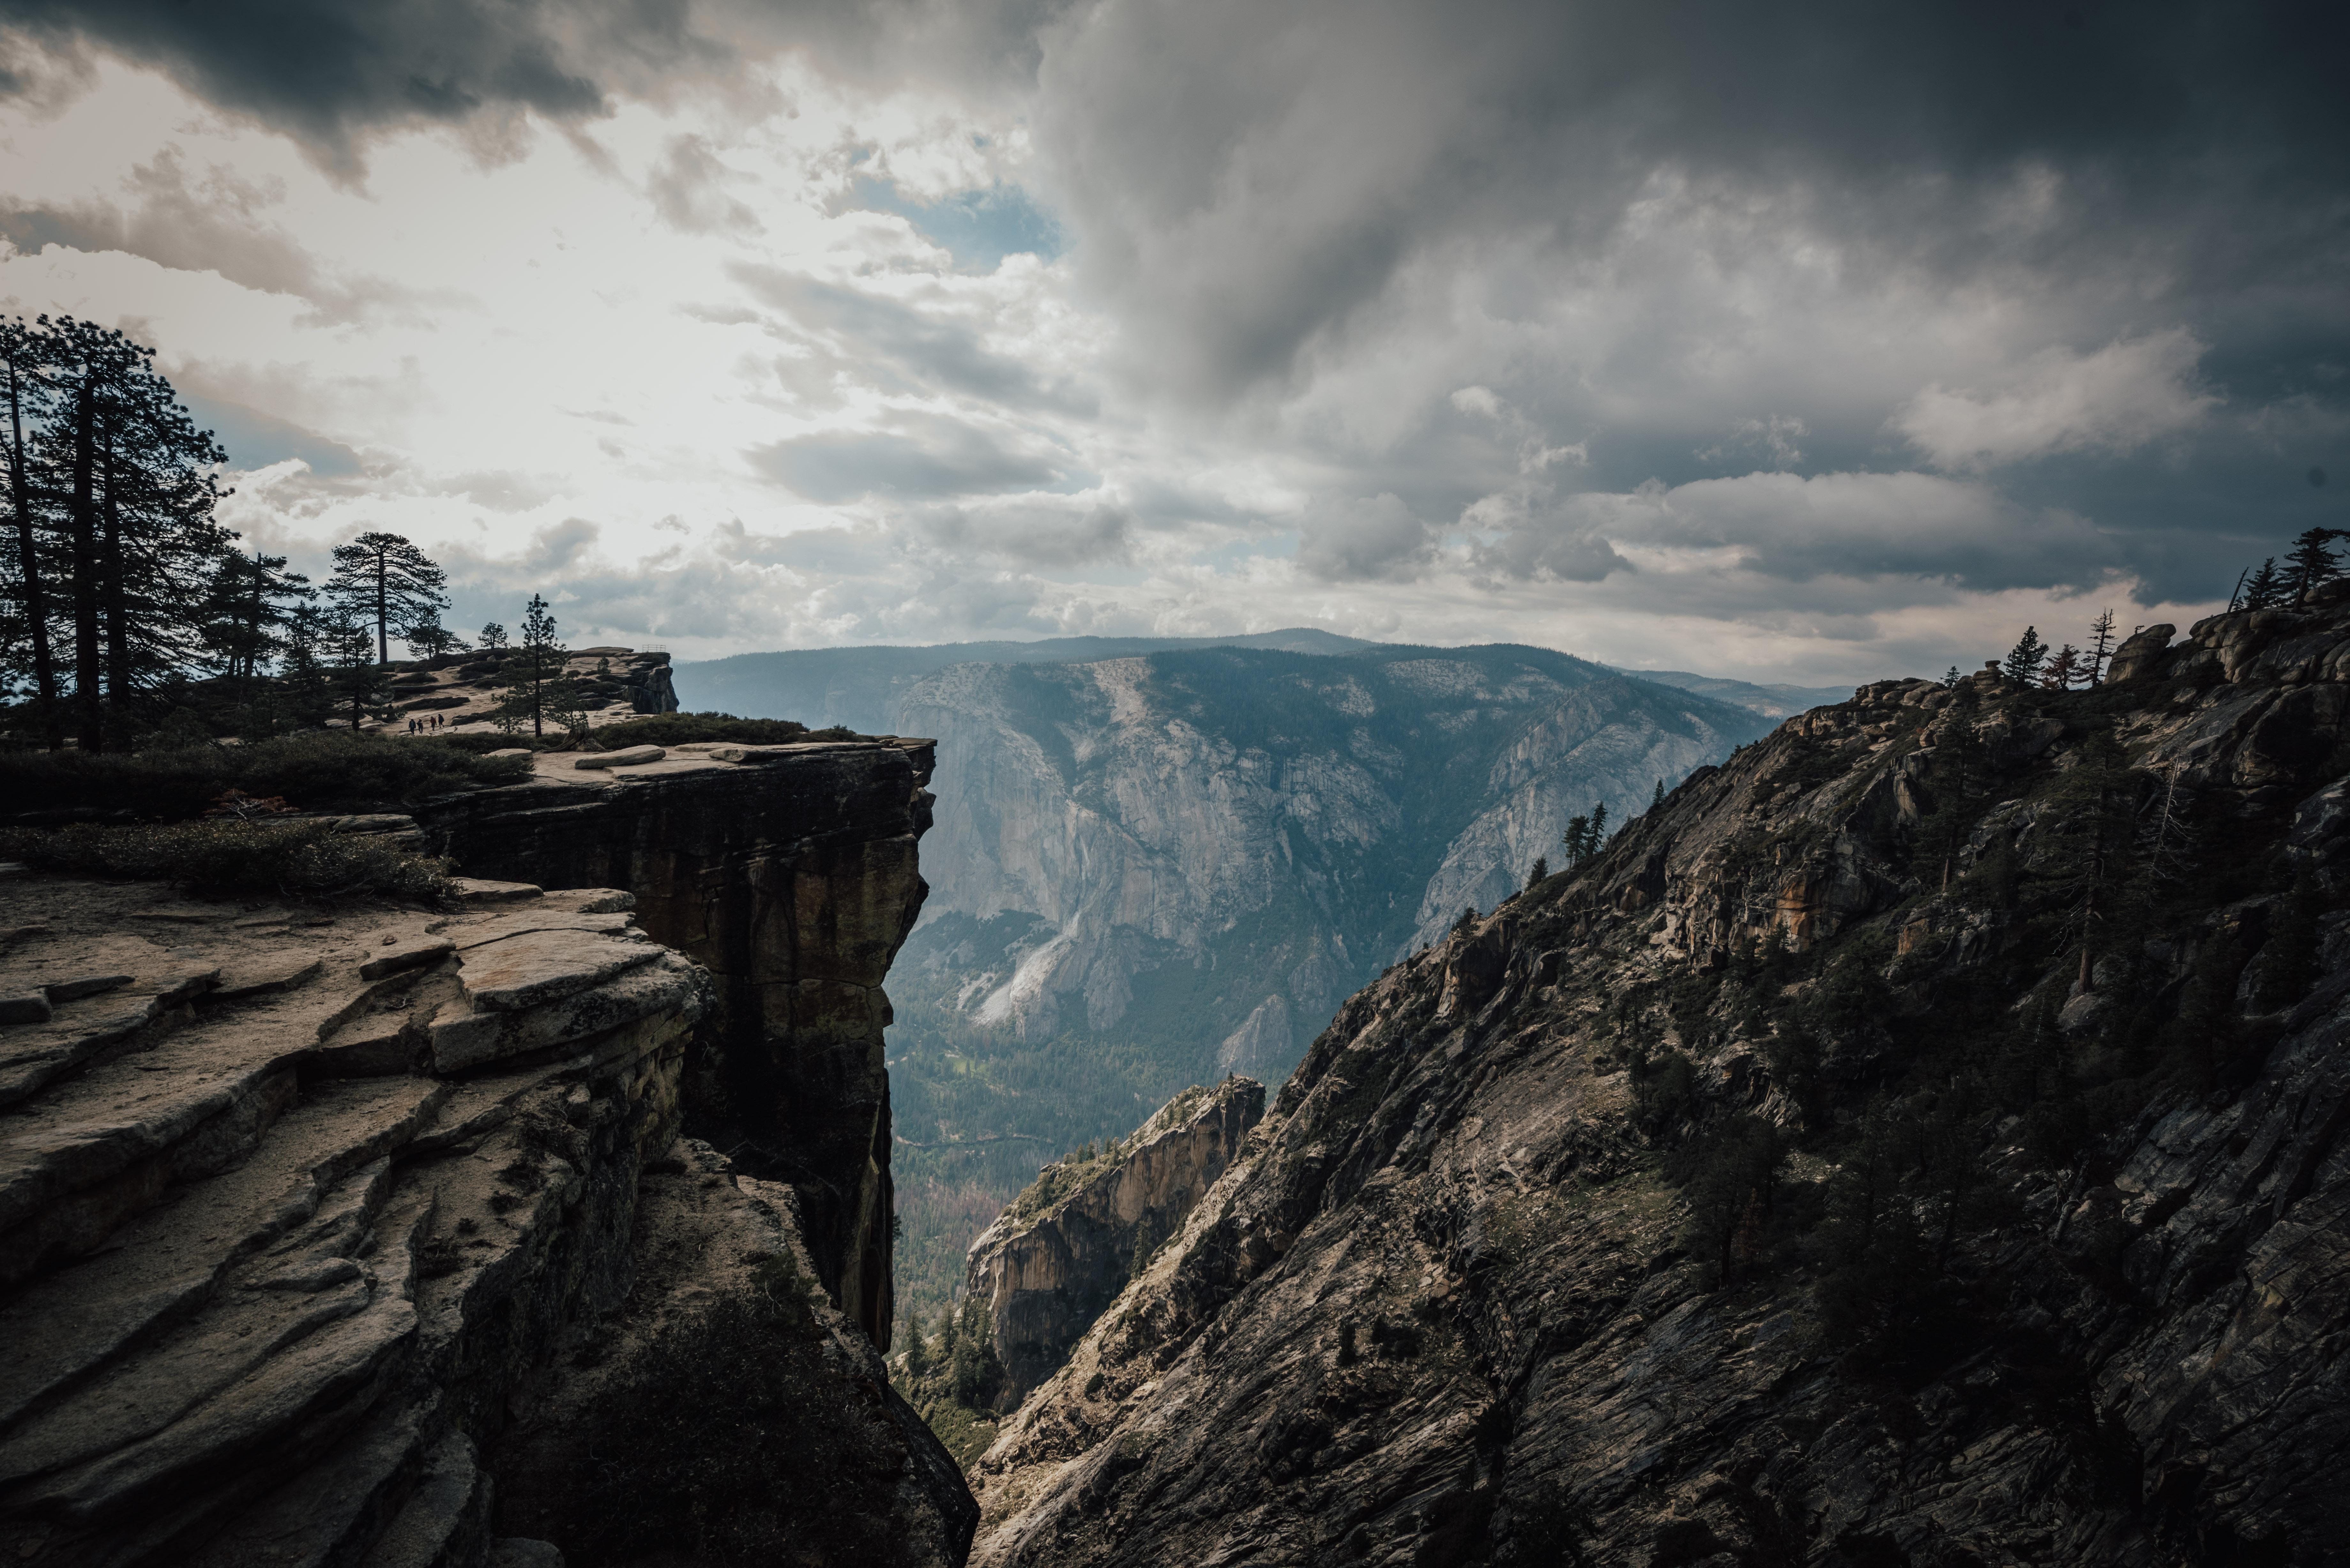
x: 2132, y: 391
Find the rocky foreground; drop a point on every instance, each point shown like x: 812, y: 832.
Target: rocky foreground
x: 367, y: 1235
x: 1918, y: 1141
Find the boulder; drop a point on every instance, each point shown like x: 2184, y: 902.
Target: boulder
x: 2139, y: 654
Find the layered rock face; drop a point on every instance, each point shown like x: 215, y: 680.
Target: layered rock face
x: 2046, y: 996
x: 790, y: 873
x: 1069, y: 1244
x: 290, y: 1202
x: 1215, y: 847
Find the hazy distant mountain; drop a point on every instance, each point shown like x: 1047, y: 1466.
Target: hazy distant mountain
x: 859, y: 687
x: 1771, y: 701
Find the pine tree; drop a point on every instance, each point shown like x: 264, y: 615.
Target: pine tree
x: 2102, y: 643
x: 1598, y: 826
x: 492, y: 639
x: 1950, y: 677
x: 1578, y: 831
x: 1541, y: 870
x: 428, y: 639
x: 360, y: 682
x: 390, y: 583
x: 538, y: 685
x: 119, y: 487
x: 1466, y: 920
x: 2023, y: 661
x: 27, y: 354
x: 2062, y: 670
x: 1657, y: 799
x: 2309, y: 563
x: 2266, y: 588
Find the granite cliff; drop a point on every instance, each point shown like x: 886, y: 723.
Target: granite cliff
x: 368, y: 1235
x: 1065, y: 1248
x: 1917, y: 1141
x: 790, y: 873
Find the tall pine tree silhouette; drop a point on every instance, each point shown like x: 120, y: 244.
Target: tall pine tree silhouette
x: 389, y: 583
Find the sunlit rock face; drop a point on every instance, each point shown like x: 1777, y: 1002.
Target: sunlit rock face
x: 2042, y: 1273
x: 1067, y: 1245
x: 1208, y: 849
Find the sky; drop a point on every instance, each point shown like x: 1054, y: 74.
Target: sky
x: 1791, y: 341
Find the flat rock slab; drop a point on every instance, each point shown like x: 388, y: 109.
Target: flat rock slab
x: 481, y: 890
x: 537, y: 967
x: 633, y: 756
x: 402, y: 957
x: 264, y: 976
x: 87, y: 985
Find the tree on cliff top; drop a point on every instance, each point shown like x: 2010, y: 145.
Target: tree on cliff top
x: 536, y: 679
x: 384, y: 579
x: 2023, y: 660
x: 2309, y: 563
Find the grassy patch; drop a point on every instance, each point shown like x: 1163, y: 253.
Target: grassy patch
x: 224, y: 859
x: 329, y: 771
x: 967, y: 1433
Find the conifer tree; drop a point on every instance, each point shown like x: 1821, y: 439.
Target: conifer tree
x: 1578, y: 832
x: 2266, y: 589
x: 428, y: 639
x: 538, y: 687
x: 27, y: 356
x: 2309, y: 563
x: 2063, y: 669
x: 1541, y: 869
x: 390, y: 583
x: 1598, y: 826
x: 492, y: 639
x: 1950, y: 677
x: 1657, y: 799
x: 360, y: 682
x: 2102, y: 643
x: 2023, y: 661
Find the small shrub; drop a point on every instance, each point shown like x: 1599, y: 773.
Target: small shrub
x: 225, y: 858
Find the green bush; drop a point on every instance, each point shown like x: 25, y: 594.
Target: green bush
x: 733, y: 1441
x: 300, y: 859
x: 322, y: 771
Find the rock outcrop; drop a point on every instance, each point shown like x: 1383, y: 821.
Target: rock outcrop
x: 614, y: 685
x: 1068, y: 1245
x: 790, y: 873
x: 290, y: 1202
x: 1918, y: 1141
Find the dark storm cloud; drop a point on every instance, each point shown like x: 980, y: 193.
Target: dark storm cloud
x: 329, y: 70
x: 1265, y: 171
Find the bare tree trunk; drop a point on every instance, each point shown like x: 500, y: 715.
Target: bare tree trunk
x: 116, y: 606
x: 28, y: 566
x: 88, y: 712
x: 382, y: 609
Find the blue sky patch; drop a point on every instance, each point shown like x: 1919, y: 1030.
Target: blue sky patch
x: 981, y: 227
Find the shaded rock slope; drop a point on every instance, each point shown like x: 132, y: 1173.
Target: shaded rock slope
x: 1918, y: 1141
x: 790, y: 874
x: 1066, y: 1246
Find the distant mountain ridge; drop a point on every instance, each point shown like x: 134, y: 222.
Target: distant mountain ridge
x: 859, y: 687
